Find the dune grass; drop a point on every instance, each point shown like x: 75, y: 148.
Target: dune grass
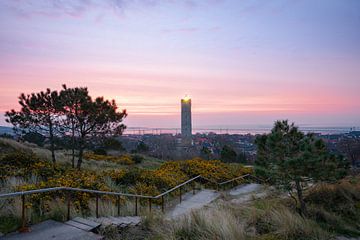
x: 237, y: 222
x: 334, y: 210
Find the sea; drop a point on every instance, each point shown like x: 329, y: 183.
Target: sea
x: 240, y: 130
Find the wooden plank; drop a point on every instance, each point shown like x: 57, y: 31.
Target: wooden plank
x: 125, y: 220
x: 79, y: 225
x: 86, y: 222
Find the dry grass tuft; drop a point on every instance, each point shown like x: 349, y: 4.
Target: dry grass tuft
x: 7, y: 144
x: 217, y: 223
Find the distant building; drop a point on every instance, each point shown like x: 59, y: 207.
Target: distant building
x: 186, y: 126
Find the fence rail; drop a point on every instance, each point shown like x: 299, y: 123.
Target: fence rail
x: 97, y: 193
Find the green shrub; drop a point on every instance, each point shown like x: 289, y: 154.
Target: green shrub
x: 137, y: 158
x: 336, y: 206
x: 130, y: 177
x: 9, y: 223
x: 100, y: 151
x: 338, y: 198
x: 19, y: 159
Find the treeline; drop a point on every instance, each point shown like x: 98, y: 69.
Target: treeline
x: 70, y: 113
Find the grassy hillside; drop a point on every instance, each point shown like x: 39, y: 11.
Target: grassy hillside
x: 25, y: 167
x: 334, y: 210
x: 64, y: 157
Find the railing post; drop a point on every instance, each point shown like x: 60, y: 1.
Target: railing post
x: 68, y: 206
x: 97, y: 205
x: 23, y: 215
x: 180, y: 194
x: 23, y: 210
x: 118, y: 205
x: 162, y: 204
x: 193, y: 185
x: 149, y: 204
x: 136, y: 206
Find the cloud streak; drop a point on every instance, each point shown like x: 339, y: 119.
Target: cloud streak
x: 79, y: 8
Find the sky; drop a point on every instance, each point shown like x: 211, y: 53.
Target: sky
x: 243, y: 62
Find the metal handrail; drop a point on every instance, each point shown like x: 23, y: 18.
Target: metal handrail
x: 234, y: 179
x: 44, y: 190
x: 108, y: 193
x: 178, y: 186
x: 28, y: 192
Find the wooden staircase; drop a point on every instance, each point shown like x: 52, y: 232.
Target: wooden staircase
x: 81, y: 228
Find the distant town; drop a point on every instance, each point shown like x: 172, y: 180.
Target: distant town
x: 164, y: 143
x: 229, y: 145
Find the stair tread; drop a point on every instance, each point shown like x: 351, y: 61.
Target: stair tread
x: 119, y: 221
x: 86, y: 222
x: 79, y: 225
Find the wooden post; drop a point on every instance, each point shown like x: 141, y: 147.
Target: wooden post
x: 68, y: 206
x: 136, y: 206
x: 97, y: 205
x: 149, y: 204
x: 193, y: 188
x: 23, y: 217
x: 180, y: 194
x: 162, y: 204
x: 24, y: 227
x: 118, y: 205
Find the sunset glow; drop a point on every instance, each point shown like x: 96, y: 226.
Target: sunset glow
x: 242, y: 62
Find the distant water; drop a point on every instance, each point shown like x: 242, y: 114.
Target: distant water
x: 245, y: 130
x: 224, y: 130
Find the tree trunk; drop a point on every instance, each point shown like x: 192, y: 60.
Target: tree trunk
x: 299, y: 191
x: 81, y: 151
x: 353, y: 160
x: 73, y: 156
x: 73, y: 145
x: 52, y: 146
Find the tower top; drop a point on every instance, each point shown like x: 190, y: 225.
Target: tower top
x: 186, y: 98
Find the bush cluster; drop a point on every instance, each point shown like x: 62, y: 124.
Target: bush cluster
x: 172, y: 173
x: 131, y: 179
x: 24, y: 164
x: 125, y: 159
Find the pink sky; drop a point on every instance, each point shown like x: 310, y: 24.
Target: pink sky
x: 242, y: 63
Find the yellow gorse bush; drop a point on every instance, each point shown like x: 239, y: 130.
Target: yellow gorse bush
x: 135, y: 180
x: 172, y: 173
x: 68, y: 178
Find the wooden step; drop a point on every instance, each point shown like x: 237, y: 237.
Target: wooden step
x: 86, y: 222
x: 118, y: 221
x: 79, y: 225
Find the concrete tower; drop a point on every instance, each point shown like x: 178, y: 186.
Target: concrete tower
x: 186, y: 128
